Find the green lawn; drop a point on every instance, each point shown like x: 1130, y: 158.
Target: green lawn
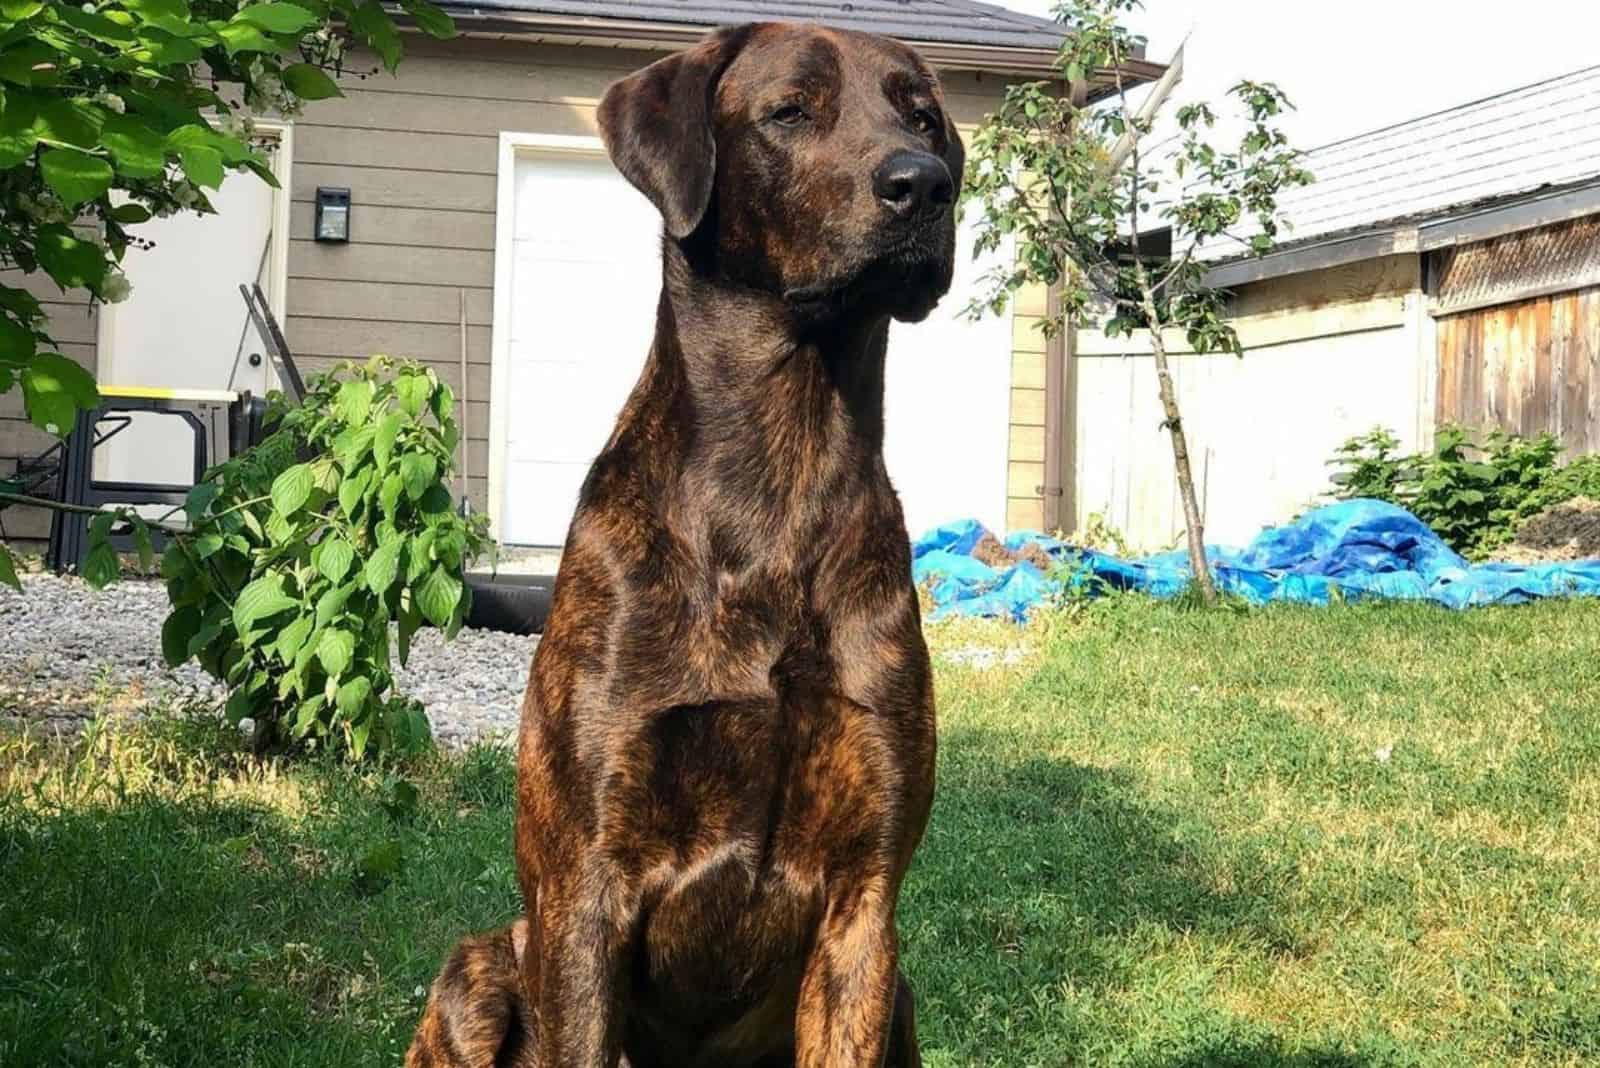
x: 1167, y: 839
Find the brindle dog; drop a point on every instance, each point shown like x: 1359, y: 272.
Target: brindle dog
x: 727, y: 744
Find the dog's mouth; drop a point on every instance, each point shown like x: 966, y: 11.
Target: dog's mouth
x: 908, y: 270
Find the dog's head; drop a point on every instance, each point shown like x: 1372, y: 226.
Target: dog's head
x: 814, y: 164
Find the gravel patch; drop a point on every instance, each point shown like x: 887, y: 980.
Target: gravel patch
x: 68, y: 652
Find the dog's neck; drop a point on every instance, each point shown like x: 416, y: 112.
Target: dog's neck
x: 782, y: 414
x: 742, y: 350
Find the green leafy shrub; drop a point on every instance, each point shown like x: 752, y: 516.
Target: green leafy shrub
x: 1474, y: 494
x: 304, y: 550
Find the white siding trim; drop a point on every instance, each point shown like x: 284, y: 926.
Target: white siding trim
x: 512, y: 144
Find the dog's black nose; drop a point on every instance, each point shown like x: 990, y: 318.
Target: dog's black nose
x: 913, y: 183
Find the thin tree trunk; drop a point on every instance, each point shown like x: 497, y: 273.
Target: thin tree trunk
x: 1180, y: 445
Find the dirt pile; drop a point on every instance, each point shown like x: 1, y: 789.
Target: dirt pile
x: 1566, y: 531
x: 992, y: 551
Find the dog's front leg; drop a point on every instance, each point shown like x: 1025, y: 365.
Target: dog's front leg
x: 577, y: 978
x: 847, y: 994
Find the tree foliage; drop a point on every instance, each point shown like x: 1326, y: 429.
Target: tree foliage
x: 304, y: 549
x: 1077, y: 186
x: 114, y: 111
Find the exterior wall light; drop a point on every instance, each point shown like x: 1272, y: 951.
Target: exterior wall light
x: 333, y: 214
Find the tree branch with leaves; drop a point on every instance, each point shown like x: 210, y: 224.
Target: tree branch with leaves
x: 1078, y: 185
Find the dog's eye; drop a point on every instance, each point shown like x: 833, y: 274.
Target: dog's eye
x: 924, y: 121
x: 789, y: 115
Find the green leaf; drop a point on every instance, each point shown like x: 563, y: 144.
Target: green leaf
x: 130, y: 214
x: 202, y: 165
x: 383, y: 440
x: 335, y: 650
x: 382, y: 567
x: 373, y: 25
x: 141, y: 540
x: 260, y: 600
x: 8, y: 569
x: 413, y: 390
x: 389, y: 494
x: 17, y: 343
x: 430, y: 19
x: 354, y: 401
x: 337, y: 556
x: 443, y: 402
x: 332, y: 602
x: 309, y: 82
x: 199, y: 499
x: 410, y: 620
x: 17, y: 134
x: 418, y: 471
x: 238, y: 706
x: 160, y: 9
x: 100, y: 567
x: 277, y: 17
x: 54, y: 389
x: 17, y: 10
x: 207, y: 545
x: 242, y: 37
x: 71, y: 262
x: 438, y: 596
x: 378, y: 867
x: 292, y: 638
x: 76, y: 176
x: 291, y: 489
x: 138, y: 150
x: 352, y: 696
x: 352, y: 490
x: 68, y: 122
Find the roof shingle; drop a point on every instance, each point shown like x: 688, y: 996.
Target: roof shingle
x: 955, y: 22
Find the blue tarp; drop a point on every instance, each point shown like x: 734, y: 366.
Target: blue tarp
x: 1351, y: 550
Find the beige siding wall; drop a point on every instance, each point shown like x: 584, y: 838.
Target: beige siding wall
x: 1025, y: 469
x: 73, y: 324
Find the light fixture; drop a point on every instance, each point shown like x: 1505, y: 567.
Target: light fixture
x: 333, y: 214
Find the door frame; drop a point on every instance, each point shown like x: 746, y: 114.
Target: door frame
x: 514, y: 145
x: 277, y: 267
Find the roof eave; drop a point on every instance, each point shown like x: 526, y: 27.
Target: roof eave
x: 1454, y: 226
x: 669, y: 36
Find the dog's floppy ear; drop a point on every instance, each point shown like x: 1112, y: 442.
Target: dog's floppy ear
x: 656, y: 125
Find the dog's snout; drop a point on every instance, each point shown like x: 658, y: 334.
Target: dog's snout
x: 913, y: 183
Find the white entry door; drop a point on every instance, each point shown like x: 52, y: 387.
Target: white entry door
x: 577, y: 287
x: 584, y: 275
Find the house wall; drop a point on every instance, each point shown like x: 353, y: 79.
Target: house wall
x: 73, y: 324
x: 1329, y: 354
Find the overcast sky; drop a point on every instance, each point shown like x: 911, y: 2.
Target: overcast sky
x: 1356, y: 65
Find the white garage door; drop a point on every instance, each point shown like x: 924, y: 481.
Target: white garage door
x: 584, y: 275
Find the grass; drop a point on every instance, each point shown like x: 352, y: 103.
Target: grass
x: 1340, y: 838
